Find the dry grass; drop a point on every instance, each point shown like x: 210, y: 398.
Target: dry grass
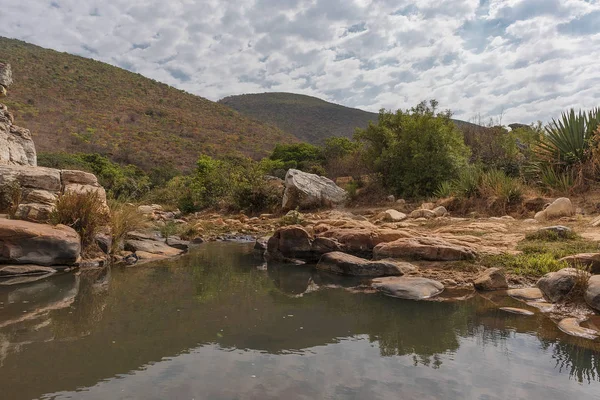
x: 84, y: 212
x: 123, y: 218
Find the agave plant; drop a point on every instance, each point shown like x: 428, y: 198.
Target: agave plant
x: 567, y: 139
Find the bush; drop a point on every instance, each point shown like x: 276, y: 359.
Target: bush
x: 297, y: 152
x: 414, y: 150
x: 10, y: 198
x: 495, y: 183
x: 123, y: 218
x: 84, y: 212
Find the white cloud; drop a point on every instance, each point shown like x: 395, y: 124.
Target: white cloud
x: 530, y: 58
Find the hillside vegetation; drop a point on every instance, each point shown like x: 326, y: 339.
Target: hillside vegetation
x: 308, y: 118
x: 74, y: 104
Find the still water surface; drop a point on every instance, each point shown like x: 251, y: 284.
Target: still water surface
x: 216, y: 325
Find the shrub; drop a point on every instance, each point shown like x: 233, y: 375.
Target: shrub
x: 293, y: 217
x: 170, y: 228
x: 414, y: 150
x: 84, y: 212
x: 297, y: 152
x: 123, y: 218
x: 467, y: 184
x: 10, y: 198
x: 495, y: 183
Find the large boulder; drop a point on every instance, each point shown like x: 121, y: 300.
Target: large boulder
x: 423, y: 248
x: 588, y: 260
x: 346, y: 264
x: 411, y: 288
x: 23, y: 242
x: 491, y: 279
x: 16, y: 144
x: 30, y: 177
x: 305, y: 191
x: 592, y: 293
x: 557, y: 286
x: 561, y: 207
x: 290, y: 242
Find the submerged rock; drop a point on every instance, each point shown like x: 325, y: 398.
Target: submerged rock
x: 411, y: 288
x: 23, y: 242
x: 557, y: 286
x: 571, y: 327
x: 491, y: 279
x: 304, y: 190
x: 424, y: 248
x: 514, y: 310
x: 346, y: 264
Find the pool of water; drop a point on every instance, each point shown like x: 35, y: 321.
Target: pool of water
x: 219, y: 324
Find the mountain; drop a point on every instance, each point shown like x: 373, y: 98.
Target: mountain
x: 75, y: 104
x: 308, y: 118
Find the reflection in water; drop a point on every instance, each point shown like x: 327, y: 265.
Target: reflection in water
x: 203, y: 325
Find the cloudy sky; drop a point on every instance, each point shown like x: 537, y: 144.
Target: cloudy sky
x: 523, y: 59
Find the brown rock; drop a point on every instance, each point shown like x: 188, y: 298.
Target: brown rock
x: 346, y: 264
x: 23, y: 242
x: 290, y: 242
x: 411, y: 288
x: 491, y: 279
x: 424, y: 248
x: 527, y: 294
x: 557, y: 286
x: 588, y: 260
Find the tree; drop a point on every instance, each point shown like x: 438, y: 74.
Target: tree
x: 414, y: 150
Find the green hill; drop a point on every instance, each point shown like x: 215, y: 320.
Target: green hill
x: 76, y: 104
x: 308, y: 118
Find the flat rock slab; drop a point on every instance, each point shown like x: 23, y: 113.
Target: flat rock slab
x: 153, y: 247
x: 423, y: 248
x: 519, y: 311
x: 571, y: 327
x: 526, y: 294
x: 411, y: 288
x: 346, y: 264
x: 24, y: 270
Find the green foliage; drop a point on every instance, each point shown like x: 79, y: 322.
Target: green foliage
x: 169, y: 229
x: 567, y: 139
x: 303, y: 156
x: 445, y: 189
x: 84, y: 212
x: 293, y: 217
x: 468, y: 182
x: 495, y: 183
x: 121, y: 182
x: 414, y: 150
x: 338, y: 147
x: 535, y: 265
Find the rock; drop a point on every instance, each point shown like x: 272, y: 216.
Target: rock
x: 24, y: 270
x: 556, y: 286
x: 587, y: 260
x: 514, y: 310
x: 147, y: 256
x: 412, y: 288
x: 422, y: 213
x: 561, y: 207
x: 361, y: 241
x: 145, y: 210
x: 34, y: 212
x: 391, y: 198
x: 31, y: 177
x: 82, y: 189
x: 153, y: 247
x: 291, y: 242
x: 322, y: 245
x: 69, y: 177
x: 16, y: 144
x: 394, y: 216
x: 526, y: 294
x: 5, y: 75
x: 491, y: 279
x: 560, y: 230
x: 104, y: 242
x: 571, y: 327
x: 304, y: 190
x: 440, y: 211
x: 261, y: 244
x: 428, y: 206
x: 592, y: 292
x: 40, y: 196
x: 346, y: 264
x: 177, y: 243
x: 595, y: 222
x: 401, y: 202
x: 23, y: 242
x: 424, y: 248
